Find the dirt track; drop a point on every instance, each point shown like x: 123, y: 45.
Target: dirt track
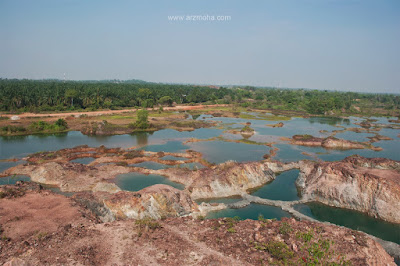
x: 107, y: 112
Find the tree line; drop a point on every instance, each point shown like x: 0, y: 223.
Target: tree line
x: 55, y: 95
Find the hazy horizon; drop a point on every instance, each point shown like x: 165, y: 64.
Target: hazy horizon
x: 345, y: 45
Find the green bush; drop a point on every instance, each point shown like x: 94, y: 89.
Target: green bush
x: 285, y: 228
x: 13, y: 129
x: 41, y: 126
x: 148, y: 223
x: 142, y: 119
x: 61, y: 123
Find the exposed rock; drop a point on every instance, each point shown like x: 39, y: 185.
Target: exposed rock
x: 54, y: 168
x: 247, y: 131
x: 104, y: 128
x: 205, y: 208
x: 378, y: 137
x: 228, y: 179
x: 331, y: 143
x: 106, y: 187
x: 68, y: 177
x: 367, y: 185
x: 16, y: 262
x: 280, y: 124
x: 278, y: 167
x: 55, y: 231
x: 155, y: 202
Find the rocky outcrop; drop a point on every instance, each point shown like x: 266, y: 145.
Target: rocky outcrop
x: 278, y: 167
x: 104, y: 128
x: 186, y: 241
x: 55, y: 168
x: 367, y: 185
x: 247, y: 131
x: 70, y: 177
x: 280, y: 124
x: 229, y: 179
x: 223, y: 180
x: 331, y: 143
x: 43, y: 228
x: 378, y: 137
x: 156, y: 202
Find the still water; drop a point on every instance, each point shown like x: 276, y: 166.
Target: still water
x: 219, y: 151
x: 352, y: 219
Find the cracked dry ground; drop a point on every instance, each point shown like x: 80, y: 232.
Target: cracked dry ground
x: 43, y: 228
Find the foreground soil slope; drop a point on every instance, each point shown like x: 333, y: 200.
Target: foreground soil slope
x: 42, y: 228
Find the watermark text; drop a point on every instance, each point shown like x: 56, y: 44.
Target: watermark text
x: 213, y: 18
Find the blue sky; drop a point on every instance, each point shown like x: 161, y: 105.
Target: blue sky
x: 323, y: 44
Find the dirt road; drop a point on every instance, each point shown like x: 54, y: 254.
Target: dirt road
x: 107, y: 112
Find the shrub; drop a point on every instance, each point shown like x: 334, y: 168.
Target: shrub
x: 142, y: 119
x: 231, y: 230
x: 13, y: 129
x: 246, y: 128
x: 279, y: 250
x: 62, y: 123
x: 148, y: 223
x: 285, y: 228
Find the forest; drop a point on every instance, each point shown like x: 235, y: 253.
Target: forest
x: 55, y: 95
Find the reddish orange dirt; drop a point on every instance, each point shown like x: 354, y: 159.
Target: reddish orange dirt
x: 39, y: 227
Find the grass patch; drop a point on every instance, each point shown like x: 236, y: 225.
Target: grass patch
x: 264, y: 117
x: 277, y: 249
x: 115, y: 117
x: 146, y: 224
x: 162, y: 114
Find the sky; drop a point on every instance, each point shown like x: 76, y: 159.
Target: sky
x: 318, y: 44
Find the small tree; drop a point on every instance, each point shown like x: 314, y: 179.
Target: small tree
x: 165, y: 100
x: 62, y: 123
x: 142, y: 119
x: 71, y: 94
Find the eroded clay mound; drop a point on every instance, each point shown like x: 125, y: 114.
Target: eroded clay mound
x: 158, y: 201
x: 227, y: 179
x: 367, y: 185
x: 70, y: 176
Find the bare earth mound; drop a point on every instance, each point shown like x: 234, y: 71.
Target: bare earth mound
x: 52, y: 229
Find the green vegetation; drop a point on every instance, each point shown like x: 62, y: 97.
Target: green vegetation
x: 285, y: 228
x: 142, y: 121
x: 277, y: 249
x: 35, y: 127
x: 303, y: 137
x: 146, y: 224
x: 247, y: 128
x: 166, y: 100
x: 230, y: 222
x: 12, y: 129
x: 44, y: 127
x: 55, y: 95
x: 317, y: 250
x: 313, y: 249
